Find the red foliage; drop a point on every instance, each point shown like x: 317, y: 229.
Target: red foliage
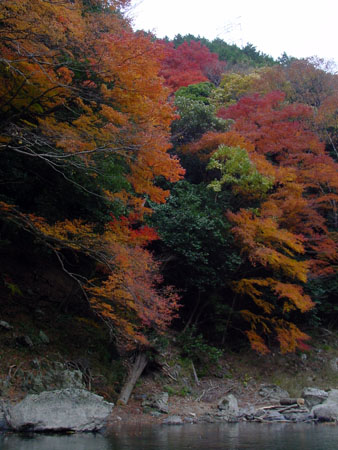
x: 84, y: 91
x: 275, y: 128
x: 189, y: 63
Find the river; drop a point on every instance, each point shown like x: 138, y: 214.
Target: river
x: 207, y: 437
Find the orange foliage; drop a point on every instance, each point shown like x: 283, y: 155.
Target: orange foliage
x: 127, y: 292
x: 129, y: 298
x: 78, y: 89
x: 288, y: 234
x: 205, y: 147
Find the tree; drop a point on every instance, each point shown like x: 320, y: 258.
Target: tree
x: 237, y: 170
x: 196, y: 114
x: 309, y: 81
x: 189, y: 63
x: 282, y: 133
x: 267, y: 245
x: 82, y: 106
x: 233, y: 86
x: 198, y: 250
x: 274, y: 165
x: 234, y: 56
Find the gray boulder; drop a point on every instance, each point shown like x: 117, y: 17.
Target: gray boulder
x: 158, y: 402
x: 5, y: 325
x: 173, y: 420
x: 328, y: 410
x: 43, y: 337
x: 61, y: 410
x: 313, y: 396
x: 55, y: 376
x: 334, y: 364
x: 228, y: 408
x: 272, y: 392
x: 3, y: 422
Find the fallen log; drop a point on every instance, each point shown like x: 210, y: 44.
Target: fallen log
x: 292, y: 401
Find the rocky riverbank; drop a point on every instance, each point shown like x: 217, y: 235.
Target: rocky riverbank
x: 80, y: 410
x: 269, y: 404
x: 241, y: 386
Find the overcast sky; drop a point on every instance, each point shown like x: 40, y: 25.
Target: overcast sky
x: 301, y: 28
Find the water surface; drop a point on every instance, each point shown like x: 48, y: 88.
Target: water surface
x: 198, y: 437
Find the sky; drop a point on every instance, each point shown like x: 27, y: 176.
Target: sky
x: 301, y: 28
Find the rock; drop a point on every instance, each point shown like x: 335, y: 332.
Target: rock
x: 3, y: 422
x: 313, y: 396
x: 325, y: 412
x: 61, y: 410
x: 5, y: 325
x: 228, y: 408
x: 155, y: 413
x: 332, y: 396
x: 328, y: 410
x: 272, y: 392
x: 189, y: 420
x: 208, y: 418
x: 334, y: 364
x: 54, y: 376
x: 158, y: 402
x: 173, y: 420
x: 43, y: 337
x: 273, y: 416
x: 247, y: 412
x: 298, y: 416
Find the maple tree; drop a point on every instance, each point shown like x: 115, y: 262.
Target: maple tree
x: 282, y: 133
x: 271, y: 150
x: 188, y: 64
x: 87, y: 108
x: 234, y: 56
x: 309, y: 81
x: 82, y: 105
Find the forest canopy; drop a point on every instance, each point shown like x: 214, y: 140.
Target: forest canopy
x: 184, y: 179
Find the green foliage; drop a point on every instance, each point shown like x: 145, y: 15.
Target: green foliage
x: 324, y: 292
x: 13, y: 288
x: 199, y: 91
x: 182, y: 391
x: 169, y: 389
x: 247, y: 56
x: 195, y: 347
x: 196, y: 118
x: 238, y: 171
x: 196, y: 235
x: 232, y: 87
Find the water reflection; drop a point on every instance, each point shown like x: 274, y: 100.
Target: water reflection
x: 197, y: 437
x: 54, y: 442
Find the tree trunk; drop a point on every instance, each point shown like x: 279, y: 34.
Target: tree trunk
x: 140, y: 363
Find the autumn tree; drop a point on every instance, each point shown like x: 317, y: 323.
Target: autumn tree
x: 272, y: 162
x: 188, y: 64
x: 309, y: 81
x: 85, y: 126
x: 236, y: 58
